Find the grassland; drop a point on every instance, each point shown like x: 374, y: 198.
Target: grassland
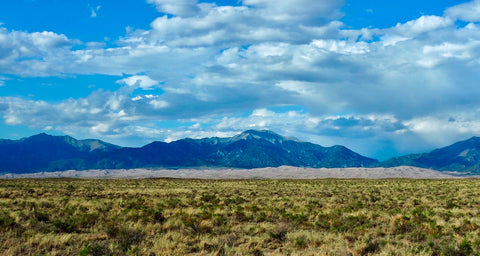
x: 239, y: 217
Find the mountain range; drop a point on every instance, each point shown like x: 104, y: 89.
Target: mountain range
x: 462, y: 156
x: 250, y: 149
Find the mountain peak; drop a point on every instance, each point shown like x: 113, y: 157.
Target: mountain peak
x: 41, y: 137
x: 82, y: 145
x: 89, y: 144
x: 462, y: 156
x: 261, y: 135
x: 474, y: 139
x: 249, y: 149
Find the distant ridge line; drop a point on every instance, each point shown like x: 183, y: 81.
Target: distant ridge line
x: 249, y: 149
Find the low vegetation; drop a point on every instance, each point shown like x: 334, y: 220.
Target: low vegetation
x: 239, y: 217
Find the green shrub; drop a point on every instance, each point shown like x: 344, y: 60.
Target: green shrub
x: 465, y: 248
x: 127, y: 237
x: 87, y: 220
x: 6, y: 221
x: 97, y: 248
x: 210, y: 198
x: 300, y: 242
x: 41, y: 216
x: 66, y: 225
x: 372, y: 246
x: 111, y: 228
x: 219, y: 220
x: 158, y: 216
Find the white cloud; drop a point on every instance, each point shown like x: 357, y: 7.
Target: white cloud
x: 444, y: 130
x: 262, y: 22
x: 296, y: 10
x: 33, y: 54
x: 436, y: 54
x: 140, y: 81
x: 176, y: 7
x: 94, y: 11
x: 181, y: 134
x: 25, y: 44
x: 422, y: 25
x: 117, y: 117
x: 392, y: 40
x: 342, y: 47
x: 469, y: 11
x: 159, y: 104
x: 224, y: 61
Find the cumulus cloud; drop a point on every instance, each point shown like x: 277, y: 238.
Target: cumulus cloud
x: 100, y: 113
x: 467, y: 12
x: 176, y: 7
x: 24, y: 44
x: 239, y: 25
x: 215, y: 63
x: 32, y: 54
x: 297, y: 10
x: 140, y: 81
x: 422, y: 25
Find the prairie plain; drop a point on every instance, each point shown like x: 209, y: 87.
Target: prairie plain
x: 239, y: 217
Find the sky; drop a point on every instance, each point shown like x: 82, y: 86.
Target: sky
x: 383, y: 78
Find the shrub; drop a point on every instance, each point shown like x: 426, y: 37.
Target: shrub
x: 210, y: 198
x: 97, y: 248
x: 300, y: 242
x: 111, y: 229
x: 465, y: 248
x: 219, y: 220
x: 88, y: 220
x: 402, y: 225
x: 41, y: 216
x: 158, y: 216
x: 451, y: 204
x: 372, y: 246
x: 298, y: 218
x: 127, y: 237
x: 279, y: 232
x: 6, y: 221
x: 66, y: 225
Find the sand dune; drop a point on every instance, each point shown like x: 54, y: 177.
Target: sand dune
x: 283, y: 172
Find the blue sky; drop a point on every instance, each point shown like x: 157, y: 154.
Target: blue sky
x: 383, y: 78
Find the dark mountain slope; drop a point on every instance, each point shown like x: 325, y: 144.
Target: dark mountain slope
x: 462, y: 156
x: 38, y: 152
x: 250, y: 149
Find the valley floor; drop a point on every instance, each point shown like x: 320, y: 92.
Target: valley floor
x: 239, y: 217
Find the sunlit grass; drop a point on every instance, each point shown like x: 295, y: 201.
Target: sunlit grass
x: 239, y: 217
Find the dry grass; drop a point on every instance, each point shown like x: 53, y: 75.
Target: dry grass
x: 239, y: 217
